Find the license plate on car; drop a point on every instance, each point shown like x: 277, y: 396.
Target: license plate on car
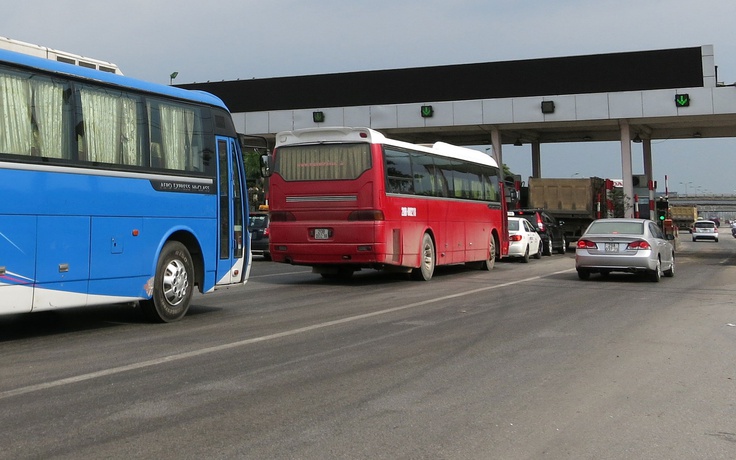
x: 611, y: 247
x: 321, y: 233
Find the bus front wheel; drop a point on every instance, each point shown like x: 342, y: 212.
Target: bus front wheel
x: 172, y: 285
x: 426, y: 262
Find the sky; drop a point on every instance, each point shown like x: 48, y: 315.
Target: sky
x: 244, y: 39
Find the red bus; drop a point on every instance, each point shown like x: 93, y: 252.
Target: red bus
x: 344, y: 199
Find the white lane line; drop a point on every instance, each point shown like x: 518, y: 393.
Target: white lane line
x: 301, y: 272
x: 241, y: 343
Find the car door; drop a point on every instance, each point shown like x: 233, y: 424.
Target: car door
x: 535, y: 237
x: 664, y: 248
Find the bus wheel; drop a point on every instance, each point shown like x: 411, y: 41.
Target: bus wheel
x: 489, y: 264
x: 172, y: 285
x: 426, y: 264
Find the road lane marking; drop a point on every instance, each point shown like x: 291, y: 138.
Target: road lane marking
x: 241, y: 343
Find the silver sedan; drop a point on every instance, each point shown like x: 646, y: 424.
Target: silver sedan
x: 624, y: 245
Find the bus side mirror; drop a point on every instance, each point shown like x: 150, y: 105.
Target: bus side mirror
x: 266, y: 165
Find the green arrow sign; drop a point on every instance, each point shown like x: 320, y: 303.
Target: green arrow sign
x: 427, y: 111
x: 682, y: 100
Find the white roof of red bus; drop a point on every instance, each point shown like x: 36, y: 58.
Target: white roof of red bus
x: 344, y: 134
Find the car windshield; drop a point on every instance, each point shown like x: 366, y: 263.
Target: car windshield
x: 705, y: 224
x: 514, y: 224
x: 611, y: 227
x: 259, y: 221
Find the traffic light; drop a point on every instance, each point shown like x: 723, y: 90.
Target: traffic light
x: 662, y: 207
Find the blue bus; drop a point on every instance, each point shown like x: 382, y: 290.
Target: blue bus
x: 114, y: 190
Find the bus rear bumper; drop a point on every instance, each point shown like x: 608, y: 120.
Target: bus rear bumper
x: 360, y: 255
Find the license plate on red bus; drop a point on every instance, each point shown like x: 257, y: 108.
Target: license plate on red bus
x: 321, y: 233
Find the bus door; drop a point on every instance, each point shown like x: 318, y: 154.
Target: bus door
x: 234, y: 244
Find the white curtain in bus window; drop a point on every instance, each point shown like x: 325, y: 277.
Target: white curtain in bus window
x: 492, y: 191
x: 48, y: 117
x: 177, y: 126
x: 323, y: 162
x: 110, y: 128
x: 15, y: 115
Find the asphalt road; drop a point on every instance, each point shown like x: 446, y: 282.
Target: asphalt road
x: 524, y: 362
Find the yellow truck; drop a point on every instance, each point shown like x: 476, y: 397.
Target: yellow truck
x: 683, y: 216
x: 574, y: 202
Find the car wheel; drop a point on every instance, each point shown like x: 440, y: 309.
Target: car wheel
x: 538, y: 254
x: 583, y: 274
x: 563, y: 246
x: 670, y: 272
x: 656, y: 274
x: 548, y: 247
x: 525, y: 259
x: 427, y: 261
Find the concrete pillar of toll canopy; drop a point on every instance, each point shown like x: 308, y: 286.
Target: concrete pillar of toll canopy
x: 536, y: 159
x: 626, y: 171
x: 496, y: 143
x: 647, y: 157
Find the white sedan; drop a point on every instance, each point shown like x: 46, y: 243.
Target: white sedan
x: 523, y: 239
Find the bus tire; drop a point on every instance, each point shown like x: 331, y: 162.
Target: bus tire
x: 172, y: 285
x: 491, y: 262
x: 426, y: 261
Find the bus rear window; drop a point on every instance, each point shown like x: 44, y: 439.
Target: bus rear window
x: 322, y: 162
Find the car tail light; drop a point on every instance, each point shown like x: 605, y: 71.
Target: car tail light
x: 515, y: 238
x: 586, y: 244
x: 266, y: 231
x: 540, y: 223
x: 639, y: 244
x: 282, y: 216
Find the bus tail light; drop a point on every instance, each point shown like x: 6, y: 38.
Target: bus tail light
x: 366, y: 215
x: 282, y: 216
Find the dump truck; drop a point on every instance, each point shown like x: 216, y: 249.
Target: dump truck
x: 683, y: 216
x: 575, y: 202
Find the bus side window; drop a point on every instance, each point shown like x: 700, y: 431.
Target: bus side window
x: 444, y: 177
x: 423, y: 169
x: 398, y: 172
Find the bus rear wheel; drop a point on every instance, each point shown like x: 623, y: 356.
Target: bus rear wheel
x: 491, y: 262
x: 172, y: 285
x: 427, y: 261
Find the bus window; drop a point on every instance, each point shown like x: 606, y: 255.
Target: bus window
x: 399, y: 178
